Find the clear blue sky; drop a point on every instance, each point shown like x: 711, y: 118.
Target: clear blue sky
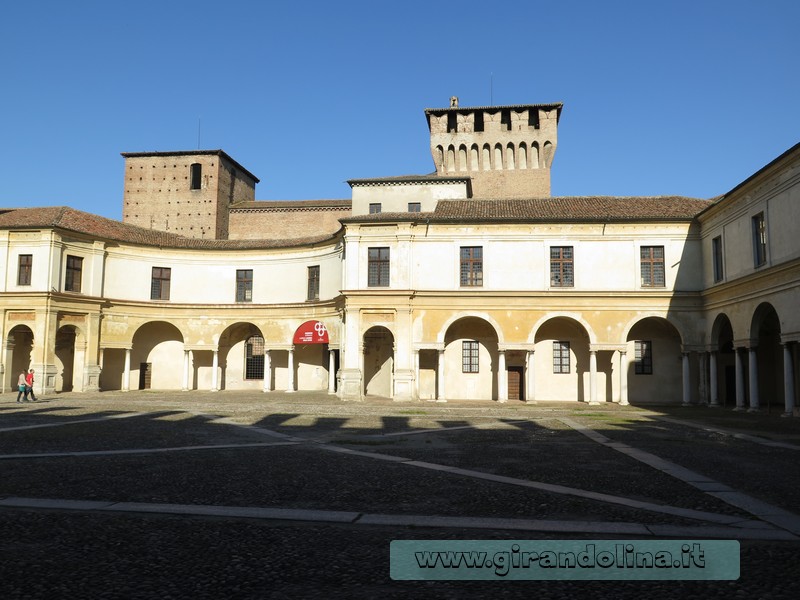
x: 662, y: 97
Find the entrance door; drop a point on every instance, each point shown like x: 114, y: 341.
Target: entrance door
x: 145, y: 375
x: 515, y: 391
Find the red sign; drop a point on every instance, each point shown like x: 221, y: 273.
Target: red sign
x: 311, y: 332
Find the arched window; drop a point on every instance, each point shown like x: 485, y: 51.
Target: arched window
x: 195, y: 175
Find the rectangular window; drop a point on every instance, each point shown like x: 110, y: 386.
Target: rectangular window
x: 378, y: 267
x: 759, y: 240
x: 643, y: 359
x: 560, y: 357
x: 244, y: 285
x: 716, y: 252
x: 652, y: 265
x: 254, y: 357
x: 196, y: 174
x: 374, y: 208
x: 471, y: 265
x: 72, y: 276
x: 561, y: 266
x: 469, y: 356
x: 159, y: 284
x: 25, y: 269
x: 313, y: 283
x: 414, y: 207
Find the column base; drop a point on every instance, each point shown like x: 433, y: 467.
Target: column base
x: 753, y: 409
x: 91, y: 378
x: 403, y: 381
x: 350, y: 388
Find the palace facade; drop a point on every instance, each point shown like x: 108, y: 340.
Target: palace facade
x: 471, y: 282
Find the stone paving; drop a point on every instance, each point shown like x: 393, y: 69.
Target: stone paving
x: 253, y: 495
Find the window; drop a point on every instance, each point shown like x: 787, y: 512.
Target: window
x: 254, y: 357
x: 378, y: 267
x: 159, y: 284
x: 313, y: 283
x: 560, y: 357
x: 561, y: 266
x: 469, y: 356
x: 652, y: 264
x: 25, y: 268
x: 471, y: 265
x: 244, y: 285
x: 643, y: 358
x: 759, y: 240
x: 72, y: 276
x: 195, y: 175
x: 374, y: 208
x: 716, y: 252
x: 414, y: 207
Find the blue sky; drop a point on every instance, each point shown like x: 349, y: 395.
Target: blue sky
x: 669, y: 97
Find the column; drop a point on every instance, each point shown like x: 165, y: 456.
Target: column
x: 788, y: 380
x: 126, y: 375
x: 739, y: 380
x: 752, y: 366
x: 290, y: 385
x: 623, y: 378
x: 416, y: 375
x: 530, y: 371
x: 687, y: 390
x: 214, y: 368
x: 712, y: 368
x: 440, y: 377
x: 331, y: 371
x: 267, y: 387
x: 185, y: 387
x: 702, y: 358
x: 593, y: 377
x: 502, y: 377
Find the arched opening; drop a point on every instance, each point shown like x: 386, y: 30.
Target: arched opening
x: 534, y: 160
x: 67, y: 371
x: 470, y: 360
x: 523, y: 156
x: 462, y: 158
x: 655, y: 372
x: 562, y: 369
x: 766, y: 332
x: 498, y: 157
x: 19, y: 346
x: 474, y: 159
x: 510, y: 156
x: 378, y: 362
x: 487, y: 157
x: 722, y: 344
x: 241, y: 359
x: 450, y: 164
x: 157, y: 357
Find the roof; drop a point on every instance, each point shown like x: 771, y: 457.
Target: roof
x: 515, y: 107
x: 549, y: 210
x: 220, y: 153
x: 292, y: 204
x: 97, y: 227
x: 430, y: 178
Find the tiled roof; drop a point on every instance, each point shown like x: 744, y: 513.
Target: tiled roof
x: 559, y: 209
x: 298, y: 204
x: 431, y: 177
x: 97, y: 227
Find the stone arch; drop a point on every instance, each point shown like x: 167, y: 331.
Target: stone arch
x: 562, y: 360
x: 487, y: 157
x: 479, y: 315
x: 680, y: 328
x: 474, y: 158
x: 653, y: 347
x: 498, y: 157
x: 510, y: 156
x: 523, y: 156
x: 534, y: 159
x: 765, y: 337
x: 567, y: 315
x: 440, y: 158
x: 378, y: 361
x: 450, y: 163
x: 722, y: 337
x: 157, y: 356
x: 470, y: 355
x: 462, y: 157
x: 19, y: 353
x: 241, y: 349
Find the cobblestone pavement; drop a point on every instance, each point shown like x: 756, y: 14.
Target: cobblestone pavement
x: 180, y: 495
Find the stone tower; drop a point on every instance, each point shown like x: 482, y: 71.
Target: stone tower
x: 507, y: 151
x: 188, y: 192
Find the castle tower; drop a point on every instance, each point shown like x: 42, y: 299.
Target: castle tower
x: 506, y: 150
x: 188, y: 193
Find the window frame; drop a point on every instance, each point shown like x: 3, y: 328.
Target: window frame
x: 312, y: 291
x: 759, y: 226
x: 25, y: 269
x: 470, y: 356
x: 649, y: 265
x: 471, y: 266
x: 717, y: 264
x: 160, y: 283
x: 643, y: 357
x: 375, y: 208
x: 378, y: 266
x: 73, y: 273
x: 244, y: 285
x: 195, y: 176
x: 561, y: 357
x: 565, y: 277
x: 414, y: 207
x: 254, y: 363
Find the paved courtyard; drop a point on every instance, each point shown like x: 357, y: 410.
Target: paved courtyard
x: 253, y: 495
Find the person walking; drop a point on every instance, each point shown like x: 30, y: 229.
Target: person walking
x: 22, y: 386
x: 29, y: 385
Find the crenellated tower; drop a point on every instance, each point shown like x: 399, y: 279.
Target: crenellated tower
x: 507, y: 151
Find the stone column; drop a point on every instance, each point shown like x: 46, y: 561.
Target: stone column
x: 290, y: 385
x: 214, y: 369
x: 185, y: 387
x: 416, y: 374
x: 593, y: 377
x: 687, y: 390
x: 702, y: 358
x: 752, y: 366
x: 712, y: 368
x: 502, y: 377
x: 739, y: 380
x: 126, y: 375
x: 623, y: 378
x: 530, y: 371
x: 788, y: 380
x: 331, y: 371
x: 267, y: 386
x: 440, y: 397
